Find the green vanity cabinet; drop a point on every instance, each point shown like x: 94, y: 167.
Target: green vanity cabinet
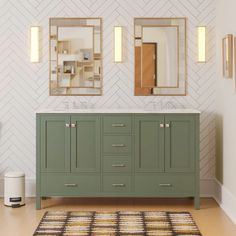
x: 68, y: 155
x: 149, y: 143
x: 133, y: 154
x: 167, y: 155
x: 180, y: 141
x: 54, y: 143
x: 85, y: 143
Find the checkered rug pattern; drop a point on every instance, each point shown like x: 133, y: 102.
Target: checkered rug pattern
x: 120, y: 223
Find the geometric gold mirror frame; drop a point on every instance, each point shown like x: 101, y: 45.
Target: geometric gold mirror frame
x: 160, y: 56
x: 75, y: 60
x: 227, y: 56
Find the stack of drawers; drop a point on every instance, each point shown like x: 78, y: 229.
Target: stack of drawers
x: 117, y: 154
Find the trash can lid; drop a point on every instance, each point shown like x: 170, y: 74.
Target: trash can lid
x: 14, y: 174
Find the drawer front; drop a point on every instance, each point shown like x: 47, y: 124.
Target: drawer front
x: 69, y: 185
x: 116, y: 184
x: 116, y: 144
x: 116, y: 164
x: 164, y: 185
x: 117, y: 124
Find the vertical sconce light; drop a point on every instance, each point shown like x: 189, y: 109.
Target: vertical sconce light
x: 201, y: 34
x: 118, y: 36
x: 34, y: 43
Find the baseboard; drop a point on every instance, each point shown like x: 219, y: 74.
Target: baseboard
x: 206, y: 187
x: 226, y: 200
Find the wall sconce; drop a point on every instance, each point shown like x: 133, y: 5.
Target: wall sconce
x: 118, y: 38
x: 201, y: 34
x: 34, y: 43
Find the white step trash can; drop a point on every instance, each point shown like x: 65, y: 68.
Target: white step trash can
x: 14, y: 189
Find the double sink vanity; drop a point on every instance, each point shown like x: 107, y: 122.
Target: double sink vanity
x: 118, y: 153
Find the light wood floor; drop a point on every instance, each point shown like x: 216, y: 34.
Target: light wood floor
x: 22, y: 221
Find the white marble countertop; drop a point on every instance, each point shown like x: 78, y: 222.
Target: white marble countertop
x: 99, y: 111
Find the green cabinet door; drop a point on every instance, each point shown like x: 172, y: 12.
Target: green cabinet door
x: 149, y: 143
x: 179, y: 143
x: 55, y: 143
x: 85, y: 143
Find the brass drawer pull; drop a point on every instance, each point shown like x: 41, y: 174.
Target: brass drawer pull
x: 118, y: 185
x: 118, y: 145
x: 161, y: 125
x: 165, y: 185
x: 167, y: 125
x: 71, y: 185
x: 118, y: 125
x: 73, y: 125
x: 67, y: 125
x: 118, y: 165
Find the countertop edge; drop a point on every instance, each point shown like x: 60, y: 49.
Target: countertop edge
x: 121, y: 111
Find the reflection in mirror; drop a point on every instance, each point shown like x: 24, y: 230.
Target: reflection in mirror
x: 75, y: 56
x: 160, y: 67
x: 162, y: 43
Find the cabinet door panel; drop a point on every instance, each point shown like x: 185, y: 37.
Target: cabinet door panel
x: 85, y: 144
x: 149, y: 143
x: 179, y: 143
x: 55, y: 143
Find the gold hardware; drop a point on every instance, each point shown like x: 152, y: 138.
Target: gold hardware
x: 167, y: 125
x: 73, y: 125
x: 161, y: 125
x: 67, y: 125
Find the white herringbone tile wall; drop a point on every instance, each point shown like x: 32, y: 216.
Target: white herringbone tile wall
x: 24, y: 85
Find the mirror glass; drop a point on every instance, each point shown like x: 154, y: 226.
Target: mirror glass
x: 75, y: 56
x: 160, y: 56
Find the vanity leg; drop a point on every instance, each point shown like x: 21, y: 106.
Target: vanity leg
x: 38, y: 202
x: 197, y: 202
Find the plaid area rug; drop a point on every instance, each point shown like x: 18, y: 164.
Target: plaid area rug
x: 122, y: 223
